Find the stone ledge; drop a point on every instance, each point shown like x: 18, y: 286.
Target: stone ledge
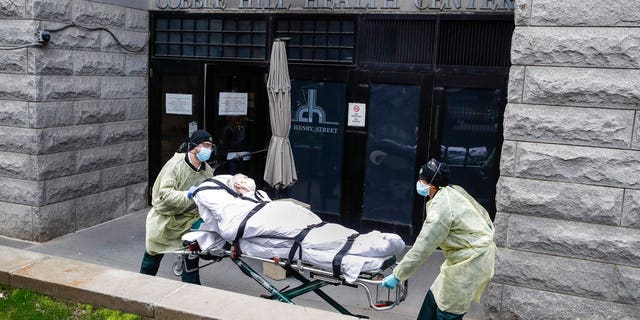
x: 151, y: 297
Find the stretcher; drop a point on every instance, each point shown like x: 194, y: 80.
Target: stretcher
x: 312, y: 279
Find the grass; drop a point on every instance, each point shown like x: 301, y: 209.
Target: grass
x: 21, y: 304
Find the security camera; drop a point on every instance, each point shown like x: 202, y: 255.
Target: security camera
x: 44, y: 36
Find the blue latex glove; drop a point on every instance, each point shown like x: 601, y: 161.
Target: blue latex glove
x: 190, y: 192
x: 390, y: 281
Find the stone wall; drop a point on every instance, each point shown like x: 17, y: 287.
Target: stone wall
x: 568, y: 198
x: 73, y: 116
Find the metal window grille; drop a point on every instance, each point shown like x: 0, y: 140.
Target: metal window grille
x: 222, y: 38
x: 475, y: 43
x: 401, y: 41
x: 318, y: 39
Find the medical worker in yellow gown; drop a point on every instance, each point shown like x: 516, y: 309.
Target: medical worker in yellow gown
x: 461, y: 227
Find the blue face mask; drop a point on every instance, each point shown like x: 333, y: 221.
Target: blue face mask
x: 204, y: 154
x: 422, y: 189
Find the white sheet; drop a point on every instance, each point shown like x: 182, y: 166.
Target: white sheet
x: 222, y: 214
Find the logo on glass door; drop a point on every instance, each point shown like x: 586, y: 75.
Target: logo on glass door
x: 311, y: 113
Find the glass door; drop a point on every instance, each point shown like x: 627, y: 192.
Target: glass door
x: 470, y: 138
x: 237, y: 115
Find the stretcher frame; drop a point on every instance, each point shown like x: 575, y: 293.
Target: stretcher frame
x: 297, y: 269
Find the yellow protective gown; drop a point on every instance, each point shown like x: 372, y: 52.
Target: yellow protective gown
x: 461, y: 227
x: 173, y: 213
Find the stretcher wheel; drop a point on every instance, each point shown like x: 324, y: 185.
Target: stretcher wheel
x: 178, y: 267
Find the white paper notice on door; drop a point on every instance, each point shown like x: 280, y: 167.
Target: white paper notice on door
x: 356, y: 114
x: 233, y: 104
x: 178, y: 103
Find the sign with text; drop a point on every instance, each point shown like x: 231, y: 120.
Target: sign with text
x: 357, y: 112
x: 233, y: 104
x: 178, y: 103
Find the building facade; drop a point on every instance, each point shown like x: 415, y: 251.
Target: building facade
x: 73, y: 115
x: 533, y: 103
x: 568, y: 221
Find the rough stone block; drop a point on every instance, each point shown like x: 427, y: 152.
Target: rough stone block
x: 67, y: 88
x: 524, y: 303
x: 114, y: 177
x: 636, y: 135
x: 137, y: 109
x: 516, y: 83
x: 565, y: 201
x: 14, y: 113
x: 18, y: 87
x: 119, y: 132
x: 607, y: 88
x: 53, y: 10
x: 631, y: 212
x: 550, y: 273
x: 136, y: 42
x: 136, y: 65
x: 522, y: 12
x: 51, y: 114
x: 586, y: 13
x: 20, y: 140
x: 137, y: 172
x: 137, y: 197
x: 576, y: 47
x: 74, y: 38
x: 98, y: 14
x: 15, y: 221
x: 101, y: 157
x: 11, y: 9
x: 123, y: 87
x: 500, y: 223
x: 27, y: 192
x: 568, y: 125
x: 72, y: 187
x: 579, y: 164
x: 60, y: 139
x: 137, y: 151
x: 492, y: 306
x: 100, y: 207
x: 17, y: 32
x: 14, y: 61
x: 55, y: 165
x: 54, y: 220
x: 17, y: 166
x: 51, y: 62
x: 507, y: 158
x: 574, y: 239
x: 100, y: 111
x: 627, y: 285
x: 98, y: 63
x: 137, y: 20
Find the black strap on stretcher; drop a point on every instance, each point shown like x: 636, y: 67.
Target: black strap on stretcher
x: 253, y: 211
x: 297, y: 241
x: 337, y: 260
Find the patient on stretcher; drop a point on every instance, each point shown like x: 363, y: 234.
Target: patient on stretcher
x: 234, y: 212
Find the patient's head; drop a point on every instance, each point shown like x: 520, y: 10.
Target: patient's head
x: 241, y: 183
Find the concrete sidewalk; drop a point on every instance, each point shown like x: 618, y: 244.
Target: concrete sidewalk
x: 119, y: 244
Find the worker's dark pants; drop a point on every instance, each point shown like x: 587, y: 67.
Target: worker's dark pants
x: 151, y: 264
x: 430, y: 310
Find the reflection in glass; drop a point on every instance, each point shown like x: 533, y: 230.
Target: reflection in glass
x: 391, y: 152
x: 317, y: 123
x: 469, y: 143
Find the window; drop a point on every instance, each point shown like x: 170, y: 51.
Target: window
x: 317, y: 39
x: 224, y: 38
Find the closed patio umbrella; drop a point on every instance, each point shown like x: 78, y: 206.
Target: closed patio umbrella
x: 280, y: 169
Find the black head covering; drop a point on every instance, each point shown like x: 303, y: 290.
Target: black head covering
x: 435, y: 173
x: 198, y: 137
